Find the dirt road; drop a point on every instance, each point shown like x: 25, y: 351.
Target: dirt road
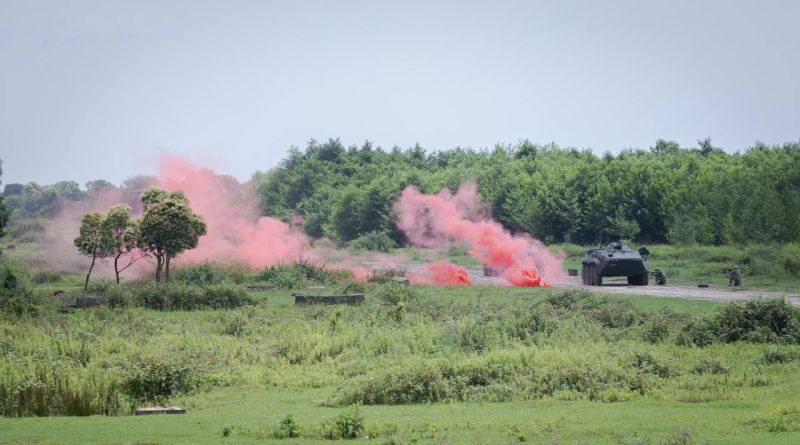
x: 621, y: 287
x: 714, y: 293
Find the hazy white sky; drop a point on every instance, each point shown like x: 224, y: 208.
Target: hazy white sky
x: 93, y: 89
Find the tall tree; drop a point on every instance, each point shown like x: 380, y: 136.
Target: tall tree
x: 168, y: 227
x: 93, y: 240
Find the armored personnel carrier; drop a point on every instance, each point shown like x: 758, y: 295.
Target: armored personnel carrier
x: 615, y: 260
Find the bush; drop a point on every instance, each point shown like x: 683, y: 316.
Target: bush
x: 375, y: 240
x: 15, y: 289
x: 176, y: 296
x: 287, y: 428
x: 154, y: 379
x: 394, y: 294
x: 774, y: 356
x: 347, y: 425
x: 610, y: 312
x: 301, y: 274
x: 212, y: 273
x: 757, y: 321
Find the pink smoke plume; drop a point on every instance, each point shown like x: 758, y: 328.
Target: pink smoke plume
x: 435, y: 220
x: 442, y: 273
x: 236, y: 231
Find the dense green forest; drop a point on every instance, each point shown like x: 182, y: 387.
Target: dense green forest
x: 665, y: 194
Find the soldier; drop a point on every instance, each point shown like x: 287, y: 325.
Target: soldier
x: 660, y: 276
x: 734, y: 276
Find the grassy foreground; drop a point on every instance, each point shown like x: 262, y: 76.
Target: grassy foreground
x: 411, y: 365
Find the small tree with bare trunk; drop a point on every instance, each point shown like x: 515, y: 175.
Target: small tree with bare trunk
x: 123, y: 233
x: 94, y: 240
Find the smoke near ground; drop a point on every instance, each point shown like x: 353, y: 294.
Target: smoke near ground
x: 237, y: 232
x: 435, y: 220
x: 231, y: 210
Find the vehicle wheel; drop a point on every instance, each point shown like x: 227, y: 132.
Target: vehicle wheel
x: 644, y: 280
x: 594, y: 276
x: 633, y: 279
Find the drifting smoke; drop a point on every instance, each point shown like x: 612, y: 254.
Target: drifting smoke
x: 435, y: 220
x: 442, y: 273
x: 236, y: 231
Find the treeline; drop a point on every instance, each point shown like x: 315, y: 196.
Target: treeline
x: 663, y: 194
x: 33, y: 200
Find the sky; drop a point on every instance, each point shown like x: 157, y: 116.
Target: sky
x: 96, y: 89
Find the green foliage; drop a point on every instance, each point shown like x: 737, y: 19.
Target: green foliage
x: 16, y: 296
x: 377, y: 241
x: 212, y: 273
x: 682, y: 195
x: 347, y: 425
x: 177, y: 296
x: 168, y: 227
x: 299, y: 274
x: 27, y: 230
x: 5, y: 212
x: 287, y: 428
x: 159, y: 377
x: 762, y: 321
x: 396, y: 294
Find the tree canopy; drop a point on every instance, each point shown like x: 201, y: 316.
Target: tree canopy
x: 665, y: 194
x: 168, y: 227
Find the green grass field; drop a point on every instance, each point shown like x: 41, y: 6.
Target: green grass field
x: 422, y: 365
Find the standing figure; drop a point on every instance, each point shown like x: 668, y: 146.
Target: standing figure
x: 734, y: 276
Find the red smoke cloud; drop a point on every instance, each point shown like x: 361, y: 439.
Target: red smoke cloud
x: 443, y: 273
x: 236, y: 231
x: 435, y: 220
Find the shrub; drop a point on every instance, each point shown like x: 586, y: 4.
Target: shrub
x: 376, y: 240
x: 758, y: 321
x: 347, y: 425
x: 394, y: 294
x: 176, y: 296
x: 212, y: 273
x: 287, y: 428
x: 156, y: 378
x: 610, y: 312
x: 300, y: 274
x: 773, y: 356
x: 15, y: 289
